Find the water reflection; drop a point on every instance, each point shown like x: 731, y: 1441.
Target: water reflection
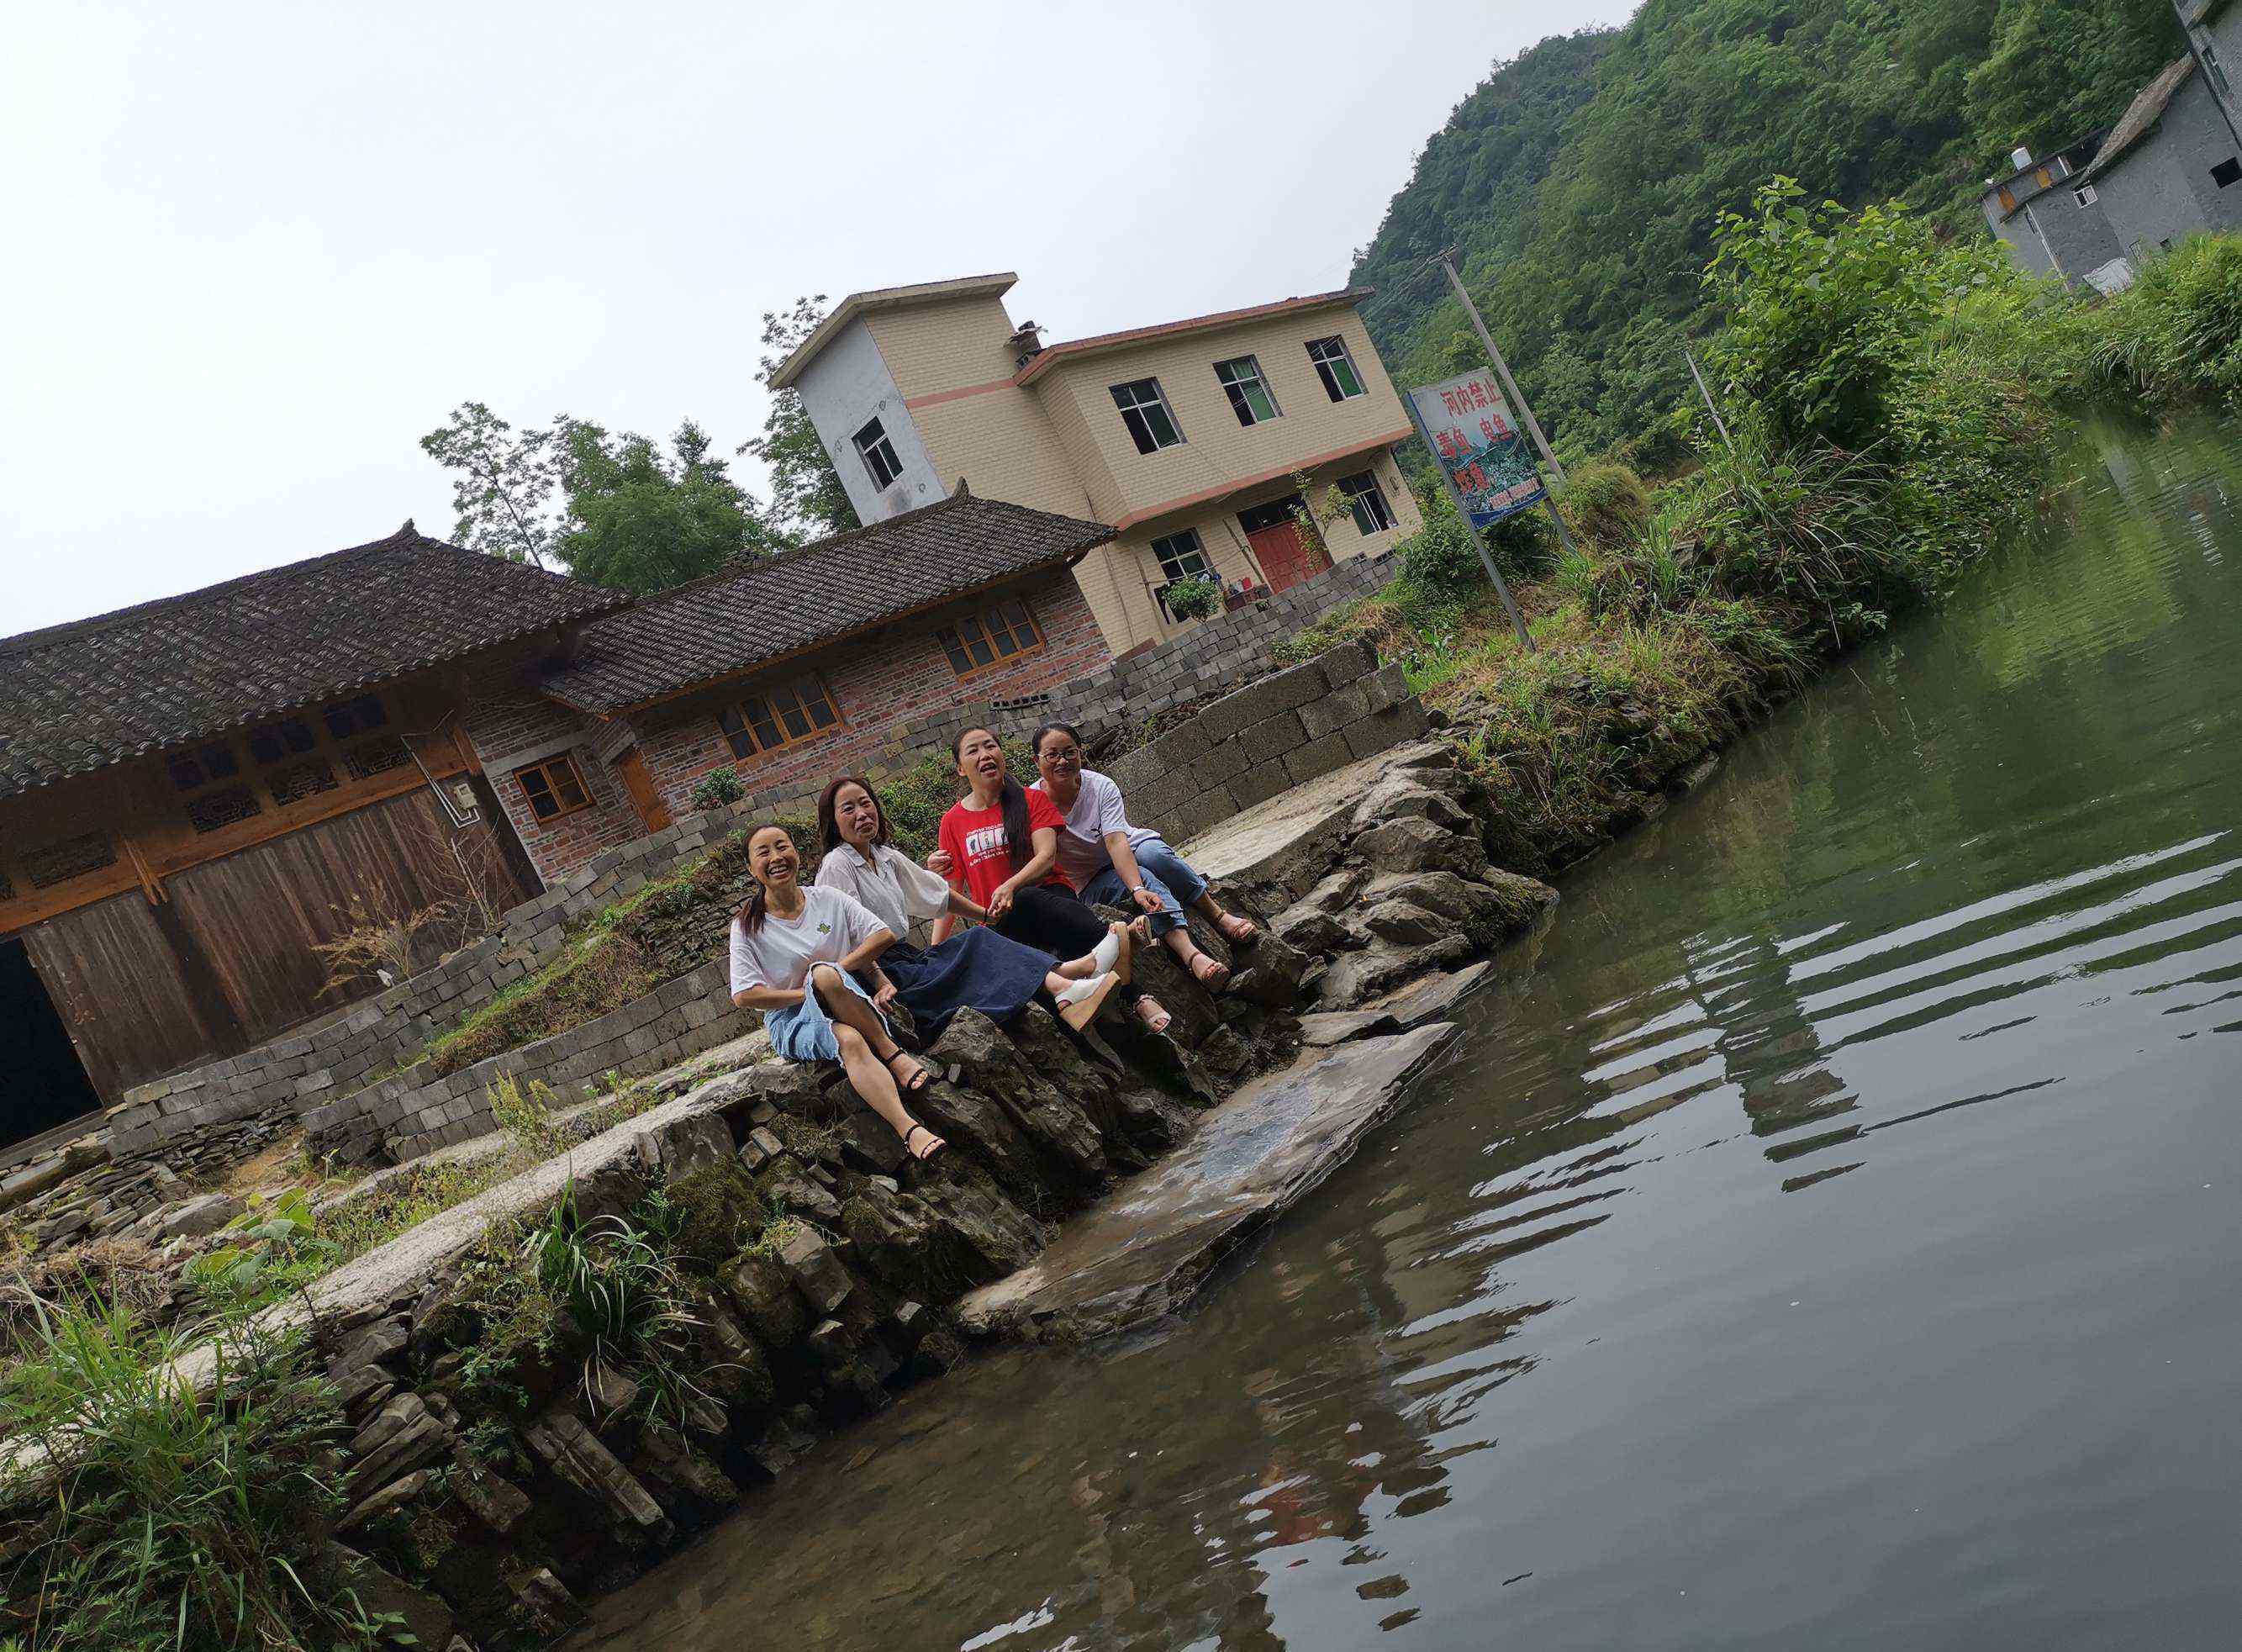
x: 1834, y: 1245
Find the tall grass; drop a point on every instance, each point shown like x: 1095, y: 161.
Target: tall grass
x: 167, y: 1519
x: 2175, y: 334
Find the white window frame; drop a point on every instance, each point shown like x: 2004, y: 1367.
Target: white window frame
x: 877, y: 453
x: 1239, y: 377
x: 1372, y: 488
x: 1344, y: 357
x: 2085, y: 195
x: 1182, y: 552
x: 1131, y: 398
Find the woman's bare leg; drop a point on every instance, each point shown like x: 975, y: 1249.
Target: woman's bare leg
x: 849, y: 1010
x: 870, y: 1075
x: 1082, y: 967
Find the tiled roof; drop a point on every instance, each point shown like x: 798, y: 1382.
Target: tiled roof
x: 77, y: 697
x: 2140, y: 118
x: 732, y: 622
x: 1051, y: 355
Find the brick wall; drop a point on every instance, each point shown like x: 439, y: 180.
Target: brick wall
x: 403, y: 1117
x: 512, y: 724
x: 881, y: 685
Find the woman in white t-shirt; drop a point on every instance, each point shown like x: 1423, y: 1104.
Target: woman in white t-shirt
x: 793, y: 951
x: 1113, y: 863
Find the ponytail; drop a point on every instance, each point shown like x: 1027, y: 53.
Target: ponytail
x: 1013, y: 799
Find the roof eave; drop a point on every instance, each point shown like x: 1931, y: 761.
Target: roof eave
x: 877, y: 298
x: 1083, y: 349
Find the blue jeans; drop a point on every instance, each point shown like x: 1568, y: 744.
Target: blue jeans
x: 1167, y: 874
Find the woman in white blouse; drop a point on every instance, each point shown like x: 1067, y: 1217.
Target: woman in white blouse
x: 978, y: 968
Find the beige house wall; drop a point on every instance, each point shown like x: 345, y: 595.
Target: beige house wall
x: 1217, y: 450
x: 935, y: 347
x: 1134, y: 569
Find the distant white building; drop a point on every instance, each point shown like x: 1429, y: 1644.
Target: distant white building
x: 2171, y: 167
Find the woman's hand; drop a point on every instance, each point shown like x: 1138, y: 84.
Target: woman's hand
x: 939, y: 862
x: 1000, y: 902
x: 1145, y: 899
x: 884, y: 994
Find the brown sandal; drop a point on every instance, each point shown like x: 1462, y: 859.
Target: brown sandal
x: 1215, y: 974
x: 1238, y: 929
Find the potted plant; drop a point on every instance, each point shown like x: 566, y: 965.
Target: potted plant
x: 1192, y: 598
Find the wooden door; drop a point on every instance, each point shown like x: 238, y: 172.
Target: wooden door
x: 639, y: 784
x: 1286, y: 557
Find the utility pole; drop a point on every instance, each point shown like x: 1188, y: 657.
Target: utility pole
x: 1502, y: 367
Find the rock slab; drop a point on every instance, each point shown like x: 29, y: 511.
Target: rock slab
x: 1145, y: 1250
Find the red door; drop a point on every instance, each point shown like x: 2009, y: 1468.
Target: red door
x: 1284, y: 556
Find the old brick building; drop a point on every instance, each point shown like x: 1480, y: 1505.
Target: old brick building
x: 194, y: 791
x: 787, y: 670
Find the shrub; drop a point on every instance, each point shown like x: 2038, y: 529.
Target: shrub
x: 1827, y: 314
x: 176, y: 1522
x: 1604, y: 503
x: 2176, y: 333
x: 1193, y: 598
x: 718, y: 788
x: 625, y: 1297
x: 269, y: 1250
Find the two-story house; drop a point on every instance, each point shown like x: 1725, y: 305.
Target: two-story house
x: 1186, y: 438
x: 2052, y: 223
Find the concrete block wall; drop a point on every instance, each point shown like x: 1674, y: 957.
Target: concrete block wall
x: 1217, y: 652
x: 1279, y: 732
x: 314, y: 1071
x: 402, y: 1117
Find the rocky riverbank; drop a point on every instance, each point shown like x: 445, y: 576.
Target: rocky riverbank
x: 537, y: 1392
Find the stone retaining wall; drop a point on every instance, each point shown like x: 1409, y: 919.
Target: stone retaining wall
x: 402, y: 1117
x: 1283, y: 731
x: 1250, y: 751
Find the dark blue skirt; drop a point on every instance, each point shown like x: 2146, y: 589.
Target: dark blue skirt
x: 978, y: 969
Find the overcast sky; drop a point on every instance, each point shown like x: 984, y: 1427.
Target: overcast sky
x: 255, y: 252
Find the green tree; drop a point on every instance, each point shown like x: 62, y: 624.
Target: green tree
x: 640, y: 520
x: 2057, y: 70
x: 502, y: 488
x: 618, y: 510
x: 806, y: 491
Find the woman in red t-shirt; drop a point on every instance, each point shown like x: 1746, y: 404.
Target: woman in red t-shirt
x: 1000, y: 845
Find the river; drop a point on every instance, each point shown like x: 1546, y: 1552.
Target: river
x: 1835, y: 1238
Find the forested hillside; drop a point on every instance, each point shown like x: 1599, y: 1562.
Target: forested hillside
x: 1581, y: 178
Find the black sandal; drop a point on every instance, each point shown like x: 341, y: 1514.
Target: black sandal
x: 918, y: 1071
x: 939, y: 1144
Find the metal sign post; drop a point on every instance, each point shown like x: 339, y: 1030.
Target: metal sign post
x: 1464, y: 516
x: 1688, y: 356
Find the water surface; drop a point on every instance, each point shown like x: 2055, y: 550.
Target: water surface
x: 1834, y: 1242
